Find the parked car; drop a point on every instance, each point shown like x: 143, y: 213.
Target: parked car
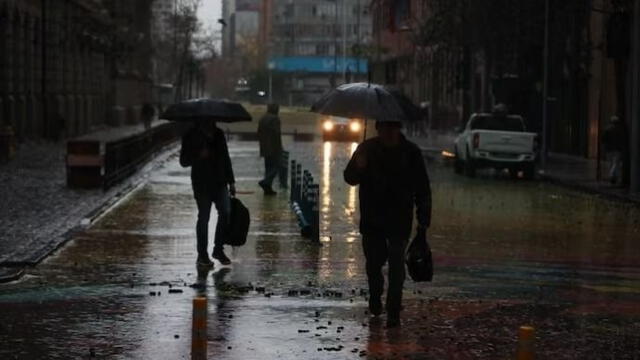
x: 497, y: 141
x: 335, y: 128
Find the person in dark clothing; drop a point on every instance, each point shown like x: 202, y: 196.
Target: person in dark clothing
x: 270, y: 139
x: 147, y: 113
x: 392, y: 176
x: 204, y: 149
x: 616, y: 144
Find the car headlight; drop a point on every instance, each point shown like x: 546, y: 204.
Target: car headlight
x: 355, y: 126
x: 327, y: 125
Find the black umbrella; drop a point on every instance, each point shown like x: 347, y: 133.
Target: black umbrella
x: 411, y: 110
x: 361, y: 100
x: 206, y: 109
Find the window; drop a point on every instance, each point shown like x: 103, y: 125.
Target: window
x: 500, y: 123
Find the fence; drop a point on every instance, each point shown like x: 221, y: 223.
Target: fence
x: 103, y: 159
x: 304, y: 198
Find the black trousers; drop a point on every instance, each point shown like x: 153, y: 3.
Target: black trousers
x: 204, y: 200
x: 272, y: 166
x: 378, y: 249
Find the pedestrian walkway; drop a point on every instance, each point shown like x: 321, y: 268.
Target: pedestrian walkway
x: 504, y: 257
x: 582, y: 174
x: 38, y: 211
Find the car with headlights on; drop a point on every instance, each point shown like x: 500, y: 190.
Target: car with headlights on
x: 335, y: 128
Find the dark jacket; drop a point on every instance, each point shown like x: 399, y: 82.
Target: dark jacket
x: 269, y: 135
x: 212, y: 172
x: 393, y: 181
x: 616, y: 137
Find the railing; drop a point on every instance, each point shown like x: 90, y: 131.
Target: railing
x: 101, y: 161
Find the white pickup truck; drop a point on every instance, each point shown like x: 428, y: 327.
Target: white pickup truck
x: 496, y: 141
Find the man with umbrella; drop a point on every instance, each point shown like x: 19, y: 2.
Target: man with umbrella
x: 204, y: 149
x: 393, y: 179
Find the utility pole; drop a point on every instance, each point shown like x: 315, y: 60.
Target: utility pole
x: 545, y: 90
x: 359, y: 54
x: 43, y: 78
x: 634, y: 121
x: 335, y: 44
x: 344, y: 41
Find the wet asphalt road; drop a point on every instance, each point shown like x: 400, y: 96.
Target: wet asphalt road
x: 507, y: 253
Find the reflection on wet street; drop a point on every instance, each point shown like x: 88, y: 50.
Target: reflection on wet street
x: 507, y: 254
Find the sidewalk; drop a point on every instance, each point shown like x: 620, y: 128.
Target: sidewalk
x: 581, y: 174
x: 38, y: 212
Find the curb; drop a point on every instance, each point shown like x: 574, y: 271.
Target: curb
x: 8, y: 274
x: 15, y: 270
x: 588, y: 189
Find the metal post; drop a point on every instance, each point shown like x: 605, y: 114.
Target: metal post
x: 545, y: 90
x: 634, y: 121
x: 293, y: 181
x: 335, y: 43
x: 344, y: 41
x: 43, y: 39
x: 270, y: 86
x: 298, y: 182
x: 315, y: 212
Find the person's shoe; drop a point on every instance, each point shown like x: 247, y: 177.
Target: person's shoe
x: 393, y: 320
x: 221, y: 256
x: 204, y: 261
x: 375, y: 306
x: 267, y: 189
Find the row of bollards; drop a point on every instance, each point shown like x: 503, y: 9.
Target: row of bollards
x: 305, y: 198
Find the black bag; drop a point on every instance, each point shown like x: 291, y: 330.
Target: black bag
x: 238, y: 223
x: 419, y: 261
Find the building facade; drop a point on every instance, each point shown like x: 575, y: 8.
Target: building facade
x: 69, y: 66
x: 316, y: 44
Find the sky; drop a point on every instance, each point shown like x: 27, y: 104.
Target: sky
x: 209, y: 13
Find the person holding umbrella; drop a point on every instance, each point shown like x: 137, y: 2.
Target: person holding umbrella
x: 204, y: 149
x: 392, y: 176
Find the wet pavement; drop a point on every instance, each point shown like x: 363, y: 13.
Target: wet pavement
x: 507, y: 254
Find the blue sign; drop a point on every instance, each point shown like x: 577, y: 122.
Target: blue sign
x: 318, y: 64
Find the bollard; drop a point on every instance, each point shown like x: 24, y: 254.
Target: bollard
x: 199, y: 330
x: 293, y: 181
x: 303, y: 193
x: 284, y: 170
x: 298, y: 182
x: 305, y: 229
x: 314, y: 215
x: 526, y: 336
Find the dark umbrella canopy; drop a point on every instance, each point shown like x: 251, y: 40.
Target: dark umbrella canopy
x: 361, y: 100
x: 206, y: 109
x: 411, y: 111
